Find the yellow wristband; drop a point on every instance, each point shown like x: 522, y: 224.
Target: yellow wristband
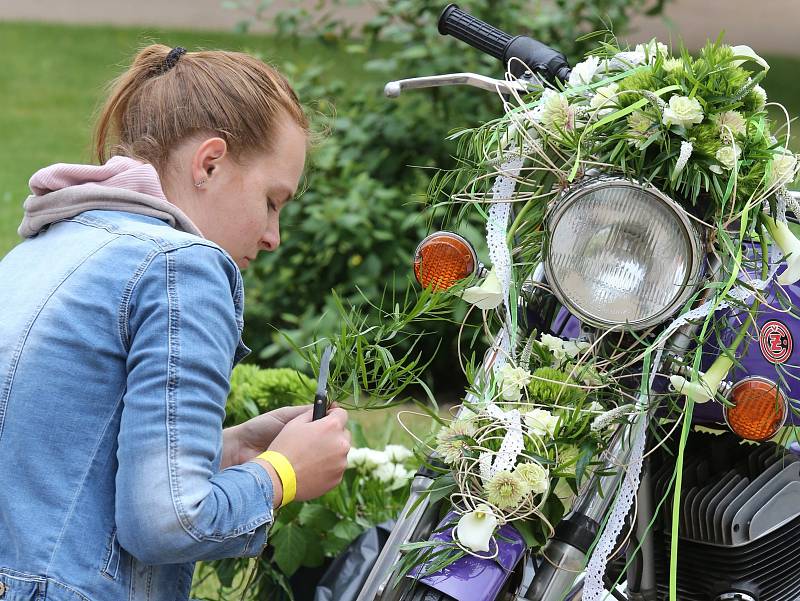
x: 285, y: 473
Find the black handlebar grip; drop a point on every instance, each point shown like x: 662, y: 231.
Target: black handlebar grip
x: 531, y: 54
x: 463, y: 26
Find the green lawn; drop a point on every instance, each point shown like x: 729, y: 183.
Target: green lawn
x: 52, y: 79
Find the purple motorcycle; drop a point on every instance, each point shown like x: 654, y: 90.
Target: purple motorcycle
x: 640, y: 264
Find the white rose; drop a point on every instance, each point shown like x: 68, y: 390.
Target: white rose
x: 683, y: 111
x: 397, y: 452
x: 784, y: 170
x: 554, y: 345
x: 512, y: 380
x: 728, y: 155
x: 541, y: 422
x: 574, y: 348
x: 583, y: 72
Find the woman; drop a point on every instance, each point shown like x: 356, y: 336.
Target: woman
x: 122, y: 320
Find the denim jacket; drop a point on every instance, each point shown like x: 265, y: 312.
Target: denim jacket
x: 118, y: 334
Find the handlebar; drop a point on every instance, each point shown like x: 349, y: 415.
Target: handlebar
x: 533, y: 55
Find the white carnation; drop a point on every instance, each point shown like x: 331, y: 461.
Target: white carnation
x: 683, y: 111
x: 356, y: 457
x: 373, y: 458
x: 393, y: 474
x: 731, y: 122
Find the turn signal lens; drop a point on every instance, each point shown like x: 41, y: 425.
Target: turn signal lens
x: 442, y: 259
x: 759, y: 409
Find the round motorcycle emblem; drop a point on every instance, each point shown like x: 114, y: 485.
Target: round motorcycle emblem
x: 776, y: 341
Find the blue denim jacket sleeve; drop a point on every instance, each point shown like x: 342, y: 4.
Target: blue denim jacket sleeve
x: 172, y: 503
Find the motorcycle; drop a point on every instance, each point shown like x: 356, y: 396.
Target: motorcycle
x: 712, y: 404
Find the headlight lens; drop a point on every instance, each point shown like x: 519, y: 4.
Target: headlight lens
x: 621, y: 253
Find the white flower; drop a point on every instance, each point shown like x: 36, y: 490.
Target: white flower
x: 731, y: 122
x: 672, y: 64
x: 568, y: 460
x: 651, y: 50
x: 783, y: 171
x: 356, y: 457
x: 392, y: 474
x: 683, y: 111
x: 604, y: 96
x: 683, y: 157
x: 535, y: 476
x: 397, y: 452
x: 761, y: 95
x: 563, y: 349
x: 582, y: 73
x: 475, y: 528
x: 749, y: 54
x: 373, y: 458
x: 541, y: 422
x: 488, y: 295
x: 512, y: 380
x: 556, y: 110
x: 451, y: 441
x: 633, y: 59
x: 728, y: 155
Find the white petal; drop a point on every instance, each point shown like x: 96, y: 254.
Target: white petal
x: 474, y: 529
x: 488, y: 295
x: 750, y: 54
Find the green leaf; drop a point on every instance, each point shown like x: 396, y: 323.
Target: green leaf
x: 317, y: 517
x: 347, y: 530
x: 291, y: 545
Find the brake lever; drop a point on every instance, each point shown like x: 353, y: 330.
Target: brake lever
x: 393, y: 89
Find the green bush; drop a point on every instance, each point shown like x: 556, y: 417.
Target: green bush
x: 255, y: 391
x: 355, y: 227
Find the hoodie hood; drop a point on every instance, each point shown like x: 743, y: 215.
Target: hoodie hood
x: 64, y: 190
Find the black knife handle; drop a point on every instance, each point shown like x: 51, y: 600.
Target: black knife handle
x: 320, y: 407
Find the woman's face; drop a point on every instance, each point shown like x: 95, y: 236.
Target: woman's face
x: 238, y: 205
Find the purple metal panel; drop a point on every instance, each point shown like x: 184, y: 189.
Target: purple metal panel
x: 472, y: 578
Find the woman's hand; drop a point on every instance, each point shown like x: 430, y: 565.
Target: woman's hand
x: 243, y: 442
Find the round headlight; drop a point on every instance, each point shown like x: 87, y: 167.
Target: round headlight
x: 620, y: 252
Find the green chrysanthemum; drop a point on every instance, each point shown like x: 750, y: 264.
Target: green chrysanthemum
x: 547, y: 392
x: 451, y: 440
x: 535, y: 477
x: 506, y: 489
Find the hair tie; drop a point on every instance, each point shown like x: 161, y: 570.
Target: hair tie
x: 172, y: 58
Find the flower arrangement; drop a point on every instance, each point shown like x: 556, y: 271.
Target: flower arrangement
x: 695, y: 128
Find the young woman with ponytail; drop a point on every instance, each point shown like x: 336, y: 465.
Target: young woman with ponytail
x: 121, y: 322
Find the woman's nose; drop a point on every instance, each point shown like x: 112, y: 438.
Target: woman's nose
x: 271, y: 238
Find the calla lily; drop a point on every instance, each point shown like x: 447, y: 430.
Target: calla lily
x: 488, y: 295
x: 475, y: 528
x: 748, y: 52
x: 789, y: 245
x: 705, y: 388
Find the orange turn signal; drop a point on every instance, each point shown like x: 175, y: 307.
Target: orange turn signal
x: 442, y: 259
x: 759, y: 409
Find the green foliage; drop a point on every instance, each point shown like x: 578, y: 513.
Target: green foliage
x: 544, y: 387
x: 355, y: 227
x: 255, y: 391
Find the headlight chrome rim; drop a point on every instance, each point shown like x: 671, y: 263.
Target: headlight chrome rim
x: 690, y: 233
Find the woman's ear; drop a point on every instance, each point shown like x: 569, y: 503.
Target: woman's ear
x: 206, y: 159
